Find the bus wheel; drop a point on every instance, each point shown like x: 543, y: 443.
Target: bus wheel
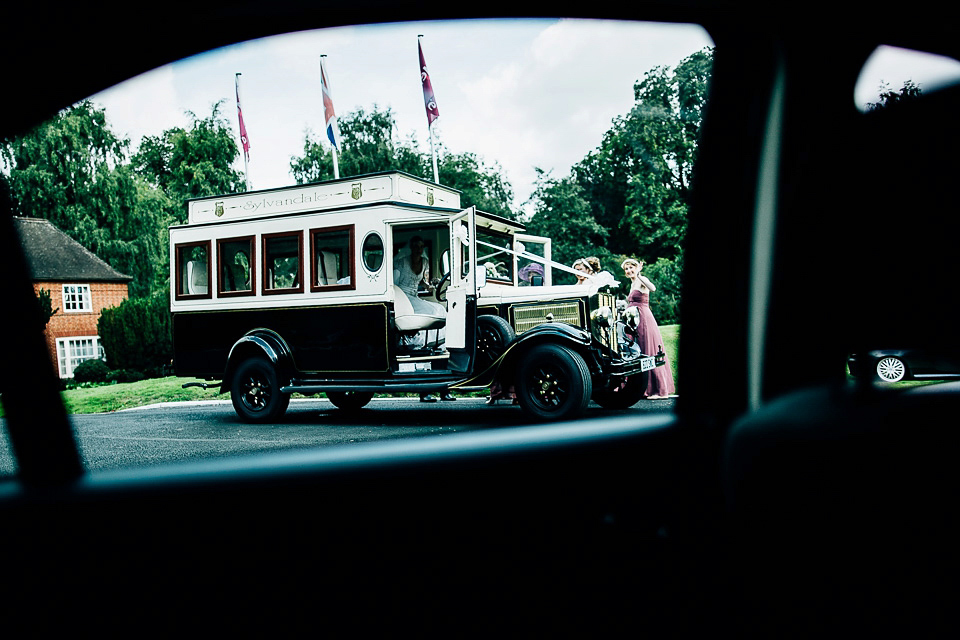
x: 553, y: 383
x: 349, y: 400
x: 630, y: 394
x: 255, y: 391
x: 494, y: 334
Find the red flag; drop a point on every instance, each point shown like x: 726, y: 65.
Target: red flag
x: 244, y: 140
x: 429, y: 100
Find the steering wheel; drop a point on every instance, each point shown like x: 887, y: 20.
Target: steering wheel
x: 441, y: 291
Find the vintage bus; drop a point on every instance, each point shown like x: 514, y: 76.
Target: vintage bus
x: 293, y: 290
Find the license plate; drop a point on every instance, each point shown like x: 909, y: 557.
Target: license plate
x: 648, y: 363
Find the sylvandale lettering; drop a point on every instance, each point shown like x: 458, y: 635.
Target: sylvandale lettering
x: 266, y: 203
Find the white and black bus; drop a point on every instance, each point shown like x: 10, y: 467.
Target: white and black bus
x: 293, y: 290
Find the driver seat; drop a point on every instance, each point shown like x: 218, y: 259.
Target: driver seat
x: 408, y: 320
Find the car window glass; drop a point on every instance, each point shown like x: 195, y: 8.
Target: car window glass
x: 893, y: 71
x: 542, y: 165
x: 897, y: 90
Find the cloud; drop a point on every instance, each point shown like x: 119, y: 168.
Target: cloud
x: 521, y: 93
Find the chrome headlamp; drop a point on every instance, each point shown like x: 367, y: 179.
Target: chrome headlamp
x: 631, y: 317
x: 602, y: 317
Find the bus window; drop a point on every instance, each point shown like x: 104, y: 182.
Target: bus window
x: 235, y: 257
x: 193, y: 270
x: 332, y: 255
x: 282, y: 262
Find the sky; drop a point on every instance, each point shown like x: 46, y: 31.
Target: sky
x: 523, y: 94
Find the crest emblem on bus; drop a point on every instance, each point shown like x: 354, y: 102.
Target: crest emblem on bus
x: 219, y: 210
x: 355, y: 190
x: 430, y: 199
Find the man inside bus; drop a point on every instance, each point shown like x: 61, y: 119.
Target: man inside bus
x: 410, y: 268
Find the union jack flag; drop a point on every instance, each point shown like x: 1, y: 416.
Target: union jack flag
x: 333, y: 133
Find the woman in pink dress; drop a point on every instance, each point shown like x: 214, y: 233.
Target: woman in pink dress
x: 660, y: 382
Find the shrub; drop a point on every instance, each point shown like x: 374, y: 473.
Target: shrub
x: 125, y: 375
x: 91, y: 371
x: 137, y: 334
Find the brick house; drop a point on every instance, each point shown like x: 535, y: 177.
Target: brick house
x: 81, y: 285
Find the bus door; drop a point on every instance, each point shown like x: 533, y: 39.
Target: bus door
x: 463, y: 281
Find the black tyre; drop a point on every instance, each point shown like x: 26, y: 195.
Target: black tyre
x: 625, y: 397
x: 349, y: 400
x: 494, y: 334
x: 553, y: 383
x: 255, y: 391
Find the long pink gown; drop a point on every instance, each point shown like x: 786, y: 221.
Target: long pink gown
x: 660, y: 381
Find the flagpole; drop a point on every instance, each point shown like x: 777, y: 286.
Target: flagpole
x: 244, y: 143
x: 431, y: 105
x: 433, y: 152
x: 329, y: 116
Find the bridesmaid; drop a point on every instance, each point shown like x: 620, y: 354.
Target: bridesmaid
x: 660, y: 383
x: 582, y: 266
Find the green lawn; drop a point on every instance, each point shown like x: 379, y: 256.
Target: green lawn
x: 126, y: 395
x: 112, y: 397
x: 671, y: 334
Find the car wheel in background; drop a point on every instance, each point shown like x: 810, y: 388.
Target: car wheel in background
x: 891, y: 369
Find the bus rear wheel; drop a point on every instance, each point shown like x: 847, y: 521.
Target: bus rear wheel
x: 255, y: 392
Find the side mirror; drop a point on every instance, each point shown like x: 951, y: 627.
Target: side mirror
x: 481, y: 277
x: 536, y: 280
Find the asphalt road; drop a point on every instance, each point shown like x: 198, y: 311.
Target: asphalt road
x: 190, y: 431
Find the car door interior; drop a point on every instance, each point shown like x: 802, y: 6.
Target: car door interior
x: 776, y: 499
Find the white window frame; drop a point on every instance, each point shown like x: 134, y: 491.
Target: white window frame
x: 68, y: 360
x: 78, y: 300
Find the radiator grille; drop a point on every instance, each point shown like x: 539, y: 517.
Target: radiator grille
x: 528, y: 317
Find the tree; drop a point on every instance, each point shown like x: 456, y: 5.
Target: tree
x: 479, y: 185
x: 889, y: 98
x: 45, y: 301
x: 563, y: 214
x: 191, y: 163
x: 71, y: 171
x: 368, y: 146
x: 639, y: 179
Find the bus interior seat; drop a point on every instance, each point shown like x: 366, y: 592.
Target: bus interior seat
x: 197, y: 277
x: 327, y: 270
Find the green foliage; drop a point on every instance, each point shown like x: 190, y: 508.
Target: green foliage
x: 367, y: 145
x: 190, y: 163
x: 137, y: 334
x: 480, y: 185
x: 889, y: 98
x: 638, y: 180
x: 564, y: 216
x: 71, y: 171
x: 666, y: 276
x: 125, y: 375
x: 93, y: 370
x: 46, y: 306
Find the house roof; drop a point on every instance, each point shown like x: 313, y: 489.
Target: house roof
x: 53, y: 255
